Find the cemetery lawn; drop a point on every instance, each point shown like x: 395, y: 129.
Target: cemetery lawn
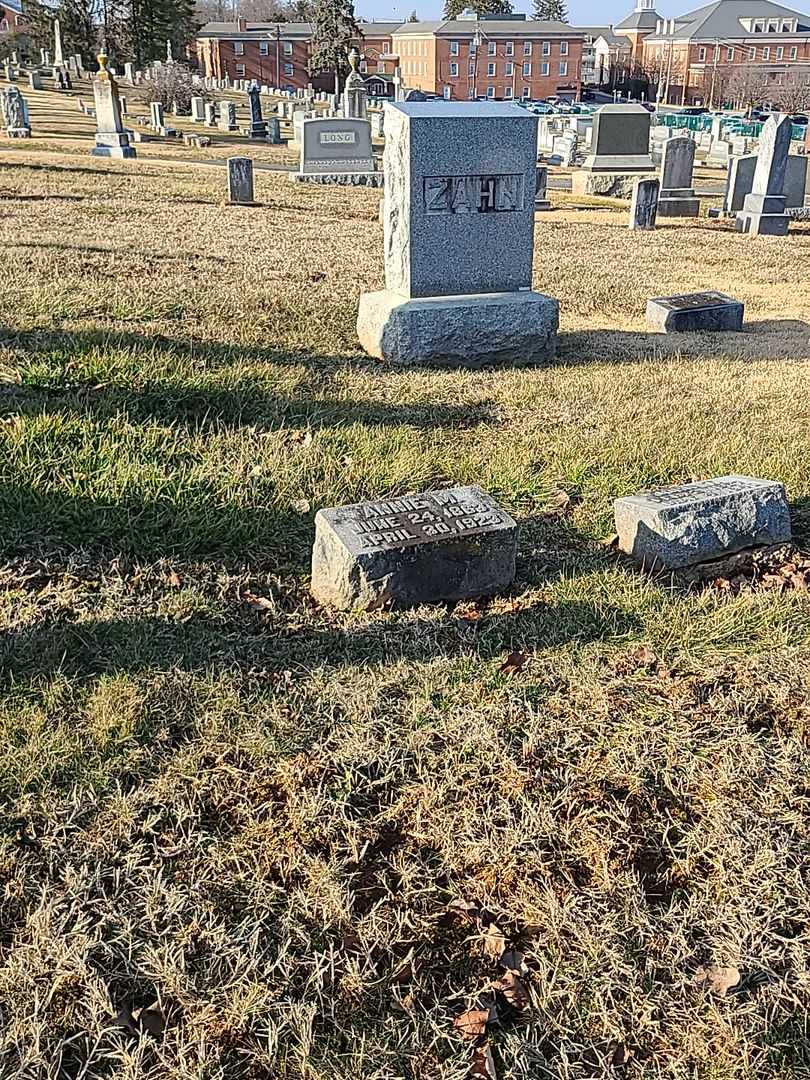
x: 303, y: 838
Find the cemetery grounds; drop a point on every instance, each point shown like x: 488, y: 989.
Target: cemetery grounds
x: 244, y: 837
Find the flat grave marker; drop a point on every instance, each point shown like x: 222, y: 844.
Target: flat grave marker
x: 707, y: 311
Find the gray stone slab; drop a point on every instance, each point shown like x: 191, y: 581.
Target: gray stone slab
x: 460, y: 183
x: 690, y: 312
x: 694, y: 523
x: 459, y: 331
x: 419, y: 549
x: 240, y: 181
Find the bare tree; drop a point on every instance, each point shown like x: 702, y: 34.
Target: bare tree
x: 171, y: 84
x: 793, y: 96
x: 743, y: 86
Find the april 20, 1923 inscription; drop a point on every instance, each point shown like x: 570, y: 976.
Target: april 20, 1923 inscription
x: 438, y: 515
x: 474, y: 194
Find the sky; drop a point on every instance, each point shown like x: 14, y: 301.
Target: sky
x: 581, y: 12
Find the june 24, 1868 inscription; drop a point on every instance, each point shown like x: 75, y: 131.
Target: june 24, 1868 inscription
x: 442, y: 545
x: 473, y: 194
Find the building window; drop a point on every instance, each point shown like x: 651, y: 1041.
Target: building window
x: 527, y: 71
x: 702, y: 54
x: 240, y: 71
x: 288, y: 69
x: 787, y: 28
x: 752, y: 54
x: 546, y: 48
x: 527, y: 48
x: 510, y: 48
x: 794, y: 52
x: 766, y: 52
x: 490, y: 91
x: 773, y: 27
x: 729, y: 54
x: 287, y: 48
x: 472, y: 68
x: 563, y: 67
x: 363, y: 66
x: 780, y: 53
x: 563, y: 48
x: 507, y: 93
x: 239, y: 48
x: 527, y: 93
x: 264, y: 48
x: 454, y: 48
x: 759, y: 26
x: 544, y: 68
x: 490, y: 71
x: 510, y: 70
x: 492, y: 48
x: 454, y: 71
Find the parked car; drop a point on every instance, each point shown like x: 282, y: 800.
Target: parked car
x: 692, y: 110
x: 799, y: 120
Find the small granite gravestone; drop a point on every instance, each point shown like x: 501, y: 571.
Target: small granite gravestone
x: 419, y: 549
x: 644, y: 204
x: 677, y: 198
x: 158, y: 120
x: 111, y: 139
x: 210, y: 114
x: 693, y: 312
x: 694, y: 523
x: 35, y: 80
x: 763, y: 211
x: 198, y: 109
x: 258, y: 125
x: 240, y: 181
x: 459, y: 236
x: 540, y: 189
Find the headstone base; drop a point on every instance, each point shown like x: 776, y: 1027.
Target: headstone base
x: 363, y: 179
x: 618, y: 163
x: 459, y: 331
x: 678, y: 207
x: 762, y: 224
x: 18, y: 133
x: 113, y: 151
x: 609, y: 185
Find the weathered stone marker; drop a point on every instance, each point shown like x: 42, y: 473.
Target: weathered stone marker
x: 258, y: 125
x: 156, y: 116
x: 694, y: 311
x: 694, y: 523
x: 210, y: 114
x: 677, y: 197
x: 644, y: 204
x: 763, y: 211
x: 355, y: 93
x: 240, y: 181
x: 418, y: 549
x: 111, y: 139
x: 227, y: 116
x: 198, y: 109
x: 620, y: 147
x: 540, y: 189
x: 459, y: 235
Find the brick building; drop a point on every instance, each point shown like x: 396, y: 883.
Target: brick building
x: 495, y: 57
x: 11, y: 16
x: 502, y: 58
x: 694, y: 56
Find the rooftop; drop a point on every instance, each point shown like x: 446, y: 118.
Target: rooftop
x: 723, y: 19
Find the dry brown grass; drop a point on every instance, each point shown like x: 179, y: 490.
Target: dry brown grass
x: 260, y: 814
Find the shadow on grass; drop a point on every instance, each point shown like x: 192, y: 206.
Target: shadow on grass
x: 213, y: 645
x: 774, y: 339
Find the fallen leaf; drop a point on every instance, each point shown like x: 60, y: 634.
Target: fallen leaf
x: 259, y: 603
x: 643, y: 656
x: 513, y: 663
x: 464, y: 909
x: 483, y: 1064
x: 301, y: 506
x: 494, y: 942
x: 301, y: 438
x: 174, y: 581
x: 514, y: 989
x: 472, y: 1023
x: 152, y: 1020
x: 717, y: 980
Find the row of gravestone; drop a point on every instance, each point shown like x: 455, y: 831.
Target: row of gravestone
x: 457, y: 543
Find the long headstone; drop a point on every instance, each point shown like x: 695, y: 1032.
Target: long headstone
x: 210, y: 114
x: 763, y: 211
x: 441, y: 545
x: 459, y: 239
x: 157, y: 118
x: 240, y: 181
x: 227, y: 116
x: 111, y: 139
x: 677, y: 197
x: 333, y: 146
x: 621, y: 140
x: 258, y: 125
x: 695, y: 523
x: 58, y: 58
x: 198, y: 109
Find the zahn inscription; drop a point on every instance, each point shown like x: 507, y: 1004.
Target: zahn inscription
x: 474, y: 194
